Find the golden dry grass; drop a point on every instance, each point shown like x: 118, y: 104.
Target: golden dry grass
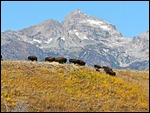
x: 136, y: 77
x: 43, y: 87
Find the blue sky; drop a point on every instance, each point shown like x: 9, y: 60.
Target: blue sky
x: 130, y: 18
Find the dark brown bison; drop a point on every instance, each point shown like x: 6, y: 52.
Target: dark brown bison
x: 97, y: 66
x: 77, y: 61
x: 106, y: 68
x: 49, y: 59
x: 109, y: 71
x: 32, y: 58
x: 61, y: 60
x: 81, y: 62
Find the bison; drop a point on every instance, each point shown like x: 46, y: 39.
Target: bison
x: 81, y: 63
x: 106, y: 68
x: 49, y: 59
x: 109, y: 71
x: 61, y: 60
x: 32, y: 58
x: 97, y: 66
x: 77, y: 61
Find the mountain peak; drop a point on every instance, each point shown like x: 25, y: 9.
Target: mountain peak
x: 75, y: 13
x: 78, y: 11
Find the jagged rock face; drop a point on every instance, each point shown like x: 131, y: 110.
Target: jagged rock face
x: 140, y: 46
x: 79, y: 36
x: 93, y: 28
x: 134, y: 53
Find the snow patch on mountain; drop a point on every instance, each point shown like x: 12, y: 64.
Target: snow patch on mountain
x: 96, y: 23
x: 35, y: 40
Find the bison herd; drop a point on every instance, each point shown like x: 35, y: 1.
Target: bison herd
x: 62, y: 60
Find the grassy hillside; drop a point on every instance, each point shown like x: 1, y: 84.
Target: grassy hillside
x: 43, y: 86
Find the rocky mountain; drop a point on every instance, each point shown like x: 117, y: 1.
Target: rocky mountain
x: 20, y: 50
x: 82, y: 36
x: 135, y: 54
